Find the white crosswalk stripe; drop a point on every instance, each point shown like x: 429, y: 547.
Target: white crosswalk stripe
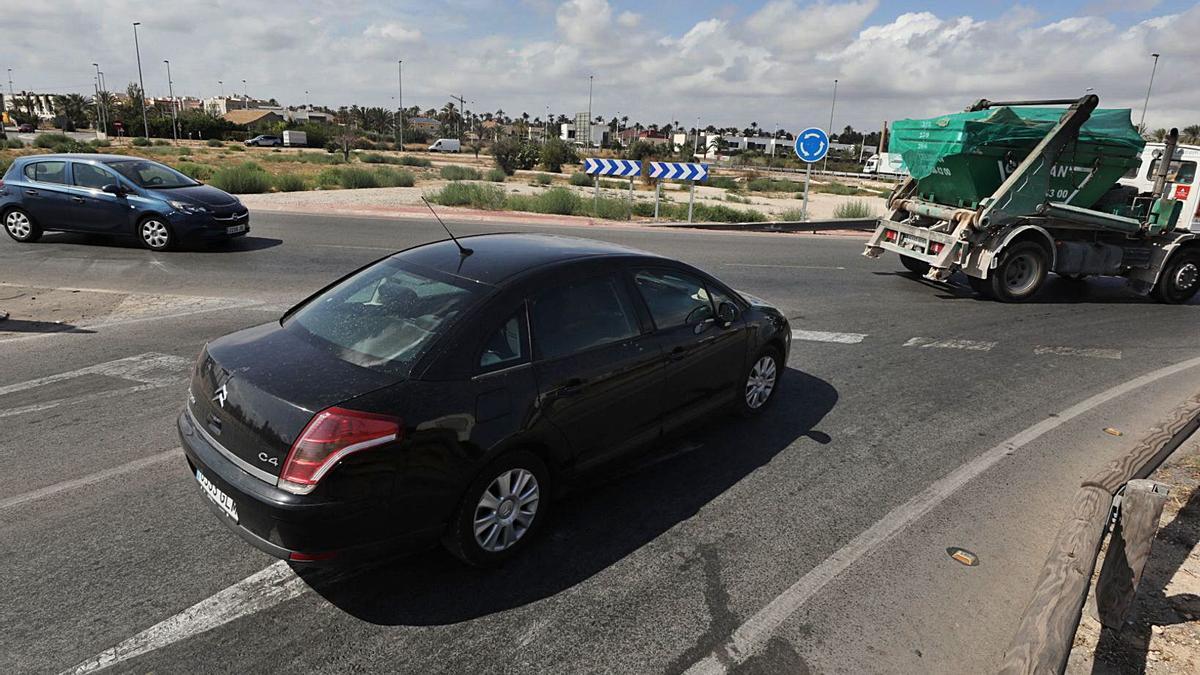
x: 950, y: 343
x: 1092, y: 352
x: 822, y: 336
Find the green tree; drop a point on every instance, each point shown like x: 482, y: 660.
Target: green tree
x: 555, y: 152
x: 72, y: 109
x: 1191, y: 134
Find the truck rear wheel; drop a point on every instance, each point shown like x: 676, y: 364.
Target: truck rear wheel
x: 1181, y: 279
x: 917, y: 267
x: 1021, y: 272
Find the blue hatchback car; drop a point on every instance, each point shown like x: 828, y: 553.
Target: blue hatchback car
x: 118, y: 195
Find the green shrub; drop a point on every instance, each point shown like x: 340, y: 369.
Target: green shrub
x: 15, y: 144
x: 643, y: 209
x: 719, y: 213
x: 496, y: 176
x: 374, y: 158
x: 855, y: 208
x: 50, y: 140
x: 791, y: 216
x: 725, y: 182
x: 141, y: 141
x: 580, y: 179
x: 559, y: 201
x: 290, y: 182
x: 161, y: 142
x: 410, y: 160
x: 353, y: 178
x: 511, y: 155
x: 194, y: 170
x: 542, y: 179
x: 329, y: 178
x: 236, y: 147
x: 456, y: 172
x: 241, y: 180
x: 72, y: 145
x: 477, y: 195
x: 5, y: 162
x: 102, y: 143
x: 389, y: 177
x: 251, y: 166
x: 555, y: 152
x: 609, y: 208
x: 214, y: 143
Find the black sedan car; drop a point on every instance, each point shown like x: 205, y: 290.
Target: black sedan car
x: 447, y: 393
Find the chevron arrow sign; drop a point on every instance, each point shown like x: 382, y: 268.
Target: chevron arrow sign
x: 679, y: 170
x: 612, y: 167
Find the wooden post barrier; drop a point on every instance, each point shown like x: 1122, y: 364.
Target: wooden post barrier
x: 1128, y: 548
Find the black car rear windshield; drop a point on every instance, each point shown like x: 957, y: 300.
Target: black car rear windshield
x: 386, y: 315
x: 153, y: 175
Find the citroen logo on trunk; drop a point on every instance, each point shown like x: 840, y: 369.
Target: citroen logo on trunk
x: 221, y: 395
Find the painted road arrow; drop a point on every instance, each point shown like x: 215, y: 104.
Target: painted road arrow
x: 678, y: 171
x: 612, y: 167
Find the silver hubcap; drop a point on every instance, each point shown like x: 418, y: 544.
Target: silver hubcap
x: 1187, y: 276
x: 1021, y: 273
x: 760, y: 383
x: 506, y: 510
x: 154, y: 233
x: 18, y: 224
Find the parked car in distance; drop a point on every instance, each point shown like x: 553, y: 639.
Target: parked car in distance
x: 26, y: 128
x: 264, y: 141
x: 446, y: 145
x: 117, y: 195
x: 461, y: 390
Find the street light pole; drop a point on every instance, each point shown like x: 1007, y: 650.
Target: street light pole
x: 400, y: 92
x: 221, y: 85
x: 245, y: 96
x: 589, y: 125
x: 10, y: 87
x: 174, y: 114
x: 832, y: 107
x: 141, y: 83
x: 101, y: 107
x: 1153, y: 70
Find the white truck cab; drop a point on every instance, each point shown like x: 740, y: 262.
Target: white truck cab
x: 1183, y: 180
x: 886, y: 164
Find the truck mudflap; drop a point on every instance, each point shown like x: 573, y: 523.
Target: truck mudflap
x: 942, y: 251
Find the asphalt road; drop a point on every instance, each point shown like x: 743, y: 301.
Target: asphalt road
x: 913, y: 417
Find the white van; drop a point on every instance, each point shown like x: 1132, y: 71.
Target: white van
x: 446, y: 145
x: 1183, y: 181
x: 886, y: 164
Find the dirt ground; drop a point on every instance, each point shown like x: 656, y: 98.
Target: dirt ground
x: 1162, y: 630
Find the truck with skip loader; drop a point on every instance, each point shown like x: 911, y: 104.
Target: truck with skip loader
x: 1008, y: 192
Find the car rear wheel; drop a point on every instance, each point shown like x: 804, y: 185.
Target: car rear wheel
x: 917, y: 267
x: 760, y: 383
x: 1021, y: 272
x: 1181, y: 279
x: 20, y: 226
x: 155, y: 234
x: 501, y: 510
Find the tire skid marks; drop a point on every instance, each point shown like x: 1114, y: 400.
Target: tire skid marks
x: 143, y: 372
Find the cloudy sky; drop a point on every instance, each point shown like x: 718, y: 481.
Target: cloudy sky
x: 730, y: 63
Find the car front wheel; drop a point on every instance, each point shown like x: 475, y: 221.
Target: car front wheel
x: 760, y: 383
x: 501, y: 510
x: 155, y: 234
x: 20, y: 226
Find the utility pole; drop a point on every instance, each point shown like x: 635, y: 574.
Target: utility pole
x: 400, y: 92
x: 589, y: 126
x: 221, y: 85
x: 141, y: 83
x: 696, y: 144
x: 1153, y: 70
x: 174, y: 114
x: 245, y: 96
x: 10, y: 87
x: 462, y: 105
x: 101, y: 106
x: 832, y: 107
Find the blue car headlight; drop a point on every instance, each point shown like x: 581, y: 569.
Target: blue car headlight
x: 185, y: 207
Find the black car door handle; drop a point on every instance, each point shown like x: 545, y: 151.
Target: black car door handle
x: 31, y: 192
x: 679, y: 353
x: 77, y: 200
x: 572, y: 386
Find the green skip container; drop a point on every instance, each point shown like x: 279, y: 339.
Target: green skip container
x: 961, y: 159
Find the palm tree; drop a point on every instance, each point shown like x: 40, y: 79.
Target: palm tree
x: 1191, y: 134
x: 1159, y: 135
x: 73, y: 107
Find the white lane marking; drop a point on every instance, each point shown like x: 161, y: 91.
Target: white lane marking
x: 73, y: 484
x: 145, y: 368
x: 950, y: 343
x: 250, y: 306
x: 791, y: 267
x: 150, y: 370
x: 274, y: 585
x: 822, y: 336
x: 1095, y: 353
x: 754, y: 633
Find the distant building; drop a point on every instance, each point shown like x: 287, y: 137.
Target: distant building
x: 307, y: 115
x: 43, y: 104
x: 254, y: 118
x: 627, y: 136
x: 219, y: 105
x: 577, y: 132
x: 426, y: 124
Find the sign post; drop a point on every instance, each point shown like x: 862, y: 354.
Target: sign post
x: 812, y: 145
x: 680, y: 171
x: 611, y: 167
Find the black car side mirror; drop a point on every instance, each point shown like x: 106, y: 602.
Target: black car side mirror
x: 113, y: 189
x: 727, y: 313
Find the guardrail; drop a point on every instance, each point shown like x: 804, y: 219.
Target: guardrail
x: 1047, y: 629
x: 813, y: 226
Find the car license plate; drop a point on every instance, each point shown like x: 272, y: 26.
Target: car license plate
x: 219, y: 498
x: 915, y: 243
x: 235, y: 229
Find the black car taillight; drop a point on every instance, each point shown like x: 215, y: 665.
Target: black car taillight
x: 333, y: 434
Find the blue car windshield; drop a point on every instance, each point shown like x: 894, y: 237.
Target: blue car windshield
x: 152, y: 175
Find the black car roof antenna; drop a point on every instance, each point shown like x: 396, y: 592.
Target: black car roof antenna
x: 462, y: 250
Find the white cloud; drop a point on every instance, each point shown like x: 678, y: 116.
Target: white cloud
x: 393, y: 31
